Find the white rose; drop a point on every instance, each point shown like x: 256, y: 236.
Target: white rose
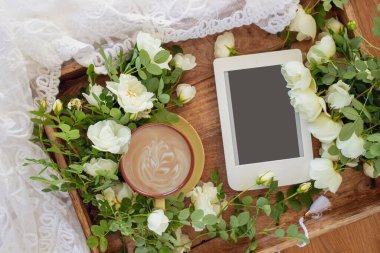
x: 108, y: 136
x: 94, y: 90
x: 205, y: 198
x: 131, y: 94
x: 351, y: 148
x: 140, y: 115
x: 57, y: 106
x: 158, y: 222
x: 224, y: 44
x: 185, y: 62
x: 115, y: 194
x: 307, y: 103
x: 337, y: 95
x: 96, y: 166
x: 182, y: 240
x: 324, y: 128
x: 322, y: 50
x: 152, y: 46
x: 185, y: 92
x: 368, y: 169
x: 334, y: 25
x: 296, y: 75
x: 76, y: 103
x: 265, y: 178
x: 304, y: 24
x: 324, y: 152
x: 325, y: 176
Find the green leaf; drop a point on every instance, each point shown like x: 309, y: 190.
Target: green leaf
x: 165, y: 250
x: 142, y: 74
x: 92, y: 242
x: 161, y: 56
x: 215, y: 177
x: 295, y: 204
x: 350, y: 113
x: 360, y: 65
x: 377, y: 166
x: 280, y: 233
x: 164, y: 98
x: 144, y: 57
x: 253, y: 246
x: 243, y: 218
x: 64, y: 127
x: 73, y: 134
x: 262, y: 202
x: 125, y: 119
x: 247, y: 200
x: 374, y: 137
x: 140, y: 241
x: 328, y: 79
x: 292, y: 231
x: 333, y: 150
x: 103, y: 243
x: 360, y: 107
x: 223, y: 235
x: 152, y: 84
x: 197, y: 215
x: 234, y: 221
x: 375, y: 149
x: 184, y: 214
x: 97, y: 230
x: 210, y: 219
x: 176, y: 49
x: 115, y: 113
x: 350, y: 128
x: 154, y: 69
x: 266, y: 209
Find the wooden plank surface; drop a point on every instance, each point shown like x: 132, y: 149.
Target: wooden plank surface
x: 356, y: 199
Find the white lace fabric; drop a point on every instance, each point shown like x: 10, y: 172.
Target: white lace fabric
x: 36, y: 37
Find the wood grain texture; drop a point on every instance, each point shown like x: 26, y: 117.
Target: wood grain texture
x: 355, y: 200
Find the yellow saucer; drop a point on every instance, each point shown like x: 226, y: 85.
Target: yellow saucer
x: 199, y: 154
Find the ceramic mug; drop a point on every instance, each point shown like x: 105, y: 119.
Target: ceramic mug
x: 159, y: 162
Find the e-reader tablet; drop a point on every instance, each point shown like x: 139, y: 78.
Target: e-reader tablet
x: 260, y: 129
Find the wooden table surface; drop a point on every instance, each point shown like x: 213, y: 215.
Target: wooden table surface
x: 356, y: 198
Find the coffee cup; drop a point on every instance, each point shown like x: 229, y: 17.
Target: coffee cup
x: 159, y: 162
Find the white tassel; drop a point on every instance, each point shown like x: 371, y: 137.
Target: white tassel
x: 305, y: 231
x: 320, y: 205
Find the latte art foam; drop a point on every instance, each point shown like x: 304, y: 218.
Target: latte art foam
x: 158, y: 160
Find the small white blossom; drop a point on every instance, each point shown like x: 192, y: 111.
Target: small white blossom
x: 224, y: 44
x: 334, y: 25
x: 368, y: 169
x: 324, y: 128
x: 75, y: 103
x: 185, y: 92
x: 353, y: 147
x: 337, y: 95
x: 304, y: 24
x: 185, y: 62
x: 131, y: 94
x: 109, y: 136
x: 152, y: 46
x: 98, y: 165
x: 322, y: 50
x: 57, y: 106
x: 307, y: 104
x: 297, y: 75
x: 158, y: 222
x: 325, y: 176
x: 95, y: 90
x: 265, y: 178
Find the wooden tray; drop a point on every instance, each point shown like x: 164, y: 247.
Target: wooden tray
x: 357, y: 198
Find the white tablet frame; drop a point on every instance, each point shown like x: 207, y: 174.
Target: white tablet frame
x: 287, y: 171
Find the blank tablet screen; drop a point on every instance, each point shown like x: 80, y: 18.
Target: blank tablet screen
x: 265, y: 126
